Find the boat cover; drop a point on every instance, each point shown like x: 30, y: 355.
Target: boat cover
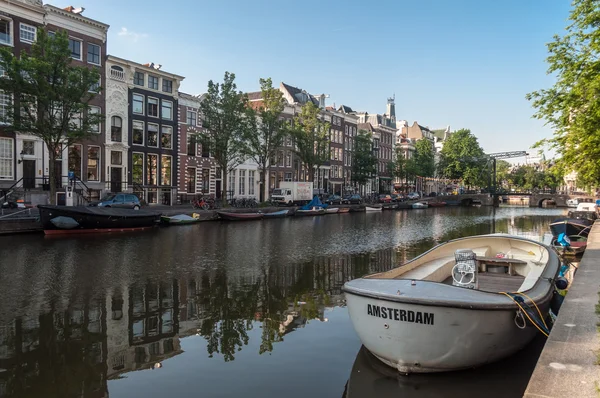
x: 571, y: 227
x: 315, y: 202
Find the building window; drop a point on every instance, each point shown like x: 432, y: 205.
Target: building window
x: 116, y: 129
x: 137, y: 168
x: 138, y: 104
x: 138, y: 78
x: 205, y: 150
x: 242, y: 182
x: 93, y: 54
x: 116, y: 157
x: 231, y: 183
x: 288, y: 176
x: 6, y: 158
x: 191, y: 118
x: 167, y: 86
x: 251, y: 182
x: 95, y: 87
x: 74, y: 159
x: 153, y: 82
x: 94, y: 110
x: 288, y: 159
x: 152, y: 168
x: 75, y: 47
x: 191, y: 145
x: 5, y: 100
x: 165, y: 170
x: 27, y: 33
x: 6, y: 31
x: 167, y: 110
x: 280, y: 158
x: 191, y: 179
x: 152, y: 107
x: 166, y: 137
x: 205, y: 180
x: 137, y: 133
x: 28, y: 148
x: 93, y: 164
x: 152, y: 137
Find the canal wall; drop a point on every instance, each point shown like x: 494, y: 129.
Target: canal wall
x: 569, y: 365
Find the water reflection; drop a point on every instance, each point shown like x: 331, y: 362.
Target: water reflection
x: 78, y: 312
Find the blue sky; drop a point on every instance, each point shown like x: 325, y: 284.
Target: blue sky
x: 462, y: 63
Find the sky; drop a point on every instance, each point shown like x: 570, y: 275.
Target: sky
x: 462, y: 63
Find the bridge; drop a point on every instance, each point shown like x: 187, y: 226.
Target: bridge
x: 535, y: 199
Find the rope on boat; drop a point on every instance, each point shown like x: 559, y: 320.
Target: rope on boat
x: 520, y: 302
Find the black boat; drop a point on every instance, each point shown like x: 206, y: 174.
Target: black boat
x: 583, y: 215
x: 82, y: 219
x: 571, y: 227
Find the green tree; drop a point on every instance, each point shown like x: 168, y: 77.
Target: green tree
x: 311, y: 135
x: 424, y: 158
x: 227, y: 119
x: 462, y: 158
x: 364, y: 162
x: 571, y: 106
x: 267, y: 133
x: 397, y: 167
x: 51, y: 96
x: 502, y: 172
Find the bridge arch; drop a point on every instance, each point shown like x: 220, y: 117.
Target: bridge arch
x: 541, y: 201
x: 466, y: 202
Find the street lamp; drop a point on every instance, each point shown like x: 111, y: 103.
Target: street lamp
x: 22, y: 156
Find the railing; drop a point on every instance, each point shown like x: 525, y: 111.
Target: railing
x: 117, y: 75
x: 6, y: 192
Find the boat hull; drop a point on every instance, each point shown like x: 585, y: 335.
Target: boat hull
x: 344, y: 210
x: 304, y: 213
x: 277, y: 214
x: 239, y: 216
x: 169, y: 220
x: 420, y: 205
x: 368, y: 208
x: 94, y: 219
x: 427, y: 339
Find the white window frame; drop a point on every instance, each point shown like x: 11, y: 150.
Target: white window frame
x: 5, y: 103
x: 170, y: 128
x: 157, y: 82
x: 143, y: 79
x: 11, y: 40
x: 157, y: 135
x: 143, y: 133
x: 27, y: 27
x: 99, y: 168
x: 251, y: 191
x: 189, y: 138
x: 87, y: 54
x: 160, y: 174
x: 187, y: 117
x: 143, y: 104
x: 96, y: 90
x: 11, y: 159
x: 95, y: 110
x: 80, y: 48
x: 148, y: 98
x: 161, y: 109
x: 143, y: 166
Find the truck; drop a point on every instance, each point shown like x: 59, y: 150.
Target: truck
x: 292, y: 193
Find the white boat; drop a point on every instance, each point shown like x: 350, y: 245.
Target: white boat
x: 436, y: 314
x: 332, y: 210
x: 370, y: 208
x: 420, y: 205
x: 587, y: 206
x: 572, y: 202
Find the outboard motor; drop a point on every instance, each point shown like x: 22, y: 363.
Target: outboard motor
x: 464, y: 272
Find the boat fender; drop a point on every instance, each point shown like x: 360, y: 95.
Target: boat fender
x: 561, y: 283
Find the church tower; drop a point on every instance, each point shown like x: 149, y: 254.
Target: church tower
x: 391, y: 112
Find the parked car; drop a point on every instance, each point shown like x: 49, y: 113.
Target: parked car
x: 395, y: 198
x: 121, y: 200
x: 334, y: 200
x: 353, y: 199
x: 413, y: 196
x: 385, y: 199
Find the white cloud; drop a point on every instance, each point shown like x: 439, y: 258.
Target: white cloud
x: 134, y: 36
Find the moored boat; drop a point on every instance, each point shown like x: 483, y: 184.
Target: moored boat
x: 86, y: 219
x: 315, y: 211
x: 332, y: 210
x: 447, y: 309
x: 420, y: 205
x: 372, y: 208
x: 437, y: 204
x: 344, y: 210
x: 572, y: 202
x: 239, y: 216
x: 180, y: 219
x: 277, y: 214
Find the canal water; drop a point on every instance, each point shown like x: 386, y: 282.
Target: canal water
x: 221, y: 309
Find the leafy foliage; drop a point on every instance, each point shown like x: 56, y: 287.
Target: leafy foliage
x: 51, y: 97
x: 364, y: 163
x: 227, y: 119
x: 424, y: 161
x: 462, y: 158
x: 268, y: 131
x: 571, y: 106
x: 311, y: 135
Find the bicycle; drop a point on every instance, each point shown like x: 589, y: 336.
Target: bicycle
x: 200, y: 204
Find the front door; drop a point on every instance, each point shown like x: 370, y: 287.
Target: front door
x: 28, y: 174
x: 218, y: 188
x: 116, y: 179
x: 58, y: 173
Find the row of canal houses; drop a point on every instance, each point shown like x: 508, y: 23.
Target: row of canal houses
x: 145, y: 144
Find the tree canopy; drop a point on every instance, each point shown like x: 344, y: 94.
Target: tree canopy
x: 364, y: 161
x: 227, y: 119
x: 50, y: 96
x: 424, y: 161
x: 571, y: 107
x: 462, y: 158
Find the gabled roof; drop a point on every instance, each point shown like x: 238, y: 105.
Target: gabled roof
x: 345, y: 109
x: 300, y: 96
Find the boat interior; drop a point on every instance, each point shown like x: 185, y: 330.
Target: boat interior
x: 501, y: 264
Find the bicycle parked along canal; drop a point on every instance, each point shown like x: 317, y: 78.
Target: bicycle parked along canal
x: 202, y: 203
